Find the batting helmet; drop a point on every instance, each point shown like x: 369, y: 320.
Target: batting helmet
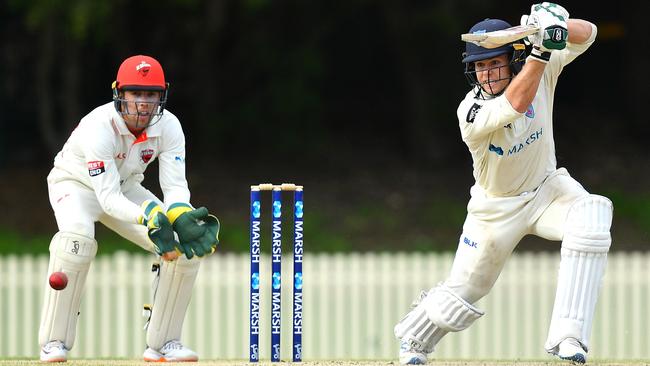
x: 473, y: 52
x: 140, y: 73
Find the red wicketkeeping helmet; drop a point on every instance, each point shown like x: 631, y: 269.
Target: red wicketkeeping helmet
x: 140, y: 73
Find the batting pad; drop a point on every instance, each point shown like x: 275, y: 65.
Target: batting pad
x: 582, y: 265
x: 173, y: 289
x: 449, y: 311
x: 69, y: 253
x: 418, y: 330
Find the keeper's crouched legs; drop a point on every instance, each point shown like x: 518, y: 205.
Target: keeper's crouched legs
x: 172, y: 291
x: 72, y: 254
x: 433, y: 315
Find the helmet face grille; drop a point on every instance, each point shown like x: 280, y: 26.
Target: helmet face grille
x: 516, y: 53
x: 140, y: 73
x: 516, y: 61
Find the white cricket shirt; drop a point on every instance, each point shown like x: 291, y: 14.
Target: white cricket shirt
x: 102, y: 154
x: 514, y: 152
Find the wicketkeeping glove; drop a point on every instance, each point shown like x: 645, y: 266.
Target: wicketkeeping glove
x: 198, y: 231
x: 159, y: 229
x: 551, y: 20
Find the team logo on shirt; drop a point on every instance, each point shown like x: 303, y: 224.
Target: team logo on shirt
x: 530, y: 111
x: 146, y: 155
x: 96, y: 168
x: 471, y: 114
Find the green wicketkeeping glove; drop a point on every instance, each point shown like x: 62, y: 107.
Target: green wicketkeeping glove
x: 198, y: 231
x: 159, y: 229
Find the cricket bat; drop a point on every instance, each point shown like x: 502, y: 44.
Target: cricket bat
x: 499, y: 38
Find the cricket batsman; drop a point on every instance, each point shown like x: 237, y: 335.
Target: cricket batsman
x: 97, y: 176
x: 506, y: 120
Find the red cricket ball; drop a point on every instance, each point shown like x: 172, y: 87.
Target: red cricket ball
x: 58, y: 280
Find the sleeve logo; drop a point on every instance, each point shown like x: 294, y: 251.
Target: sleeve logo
x: 471, y: 115
x: 96, y: 168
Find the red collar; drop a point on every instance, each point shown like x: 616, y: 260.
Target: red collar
x: 141, y: 138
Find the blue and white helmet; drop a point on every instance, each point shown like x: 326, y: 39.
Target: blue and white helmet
x: 473, y: 52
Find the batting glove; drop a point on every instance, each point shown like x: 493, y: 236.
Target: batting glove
x: 551, y: 20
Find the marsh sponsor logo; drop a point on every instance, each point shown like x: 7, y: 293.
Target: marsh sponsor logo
x: 275, y: 313
x: 297, y: 313
x: 529, y: 140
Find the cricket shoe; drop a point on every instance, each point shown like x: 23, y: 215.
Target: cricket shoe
x: 54, y: 351
x: 172, y: 351
x: 410, y: 354
x: 570, y: 349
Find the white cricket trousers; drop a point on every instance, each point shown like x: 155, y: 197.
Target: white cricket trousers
x: 76, y: 209
x: 495, y: 225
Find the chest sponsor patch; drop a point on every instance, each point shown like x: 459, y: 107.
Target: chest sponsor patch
x: 96, y: 168
x: 146, y: 155
x: 471, y: 114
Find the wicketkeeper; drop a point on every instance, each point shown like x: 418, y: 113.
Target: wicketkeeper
x: 97, y: 176
x: 506, y: 122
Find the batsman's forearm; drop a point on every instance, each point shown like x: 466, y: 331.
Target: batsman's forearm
x: 522, y: 89
x: 579, y: 30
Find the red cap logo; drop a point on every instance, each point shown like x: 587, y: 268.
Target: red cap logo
x: 143, y: 68
x: 140, y: 72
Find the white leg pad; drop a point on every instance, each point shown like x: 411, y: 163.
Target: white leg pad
x: 418, y: 330
x: 172, y: 291
x: 72, y: 254
x: 583, y: 260
x: 449, y: 311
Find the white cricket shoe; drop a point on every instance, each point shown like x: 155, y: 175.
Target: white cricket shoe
x: 570, y: 349
x: 54, y: 351
x: 409, y: 354
x: 172, y: 351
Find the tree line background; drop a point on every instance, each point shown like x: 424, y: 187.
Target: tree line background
x: 354, y: 99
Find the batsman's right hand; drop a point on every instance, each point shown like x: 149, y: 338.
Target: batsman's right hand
x: 160, y: 230
x: 551, y: 20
